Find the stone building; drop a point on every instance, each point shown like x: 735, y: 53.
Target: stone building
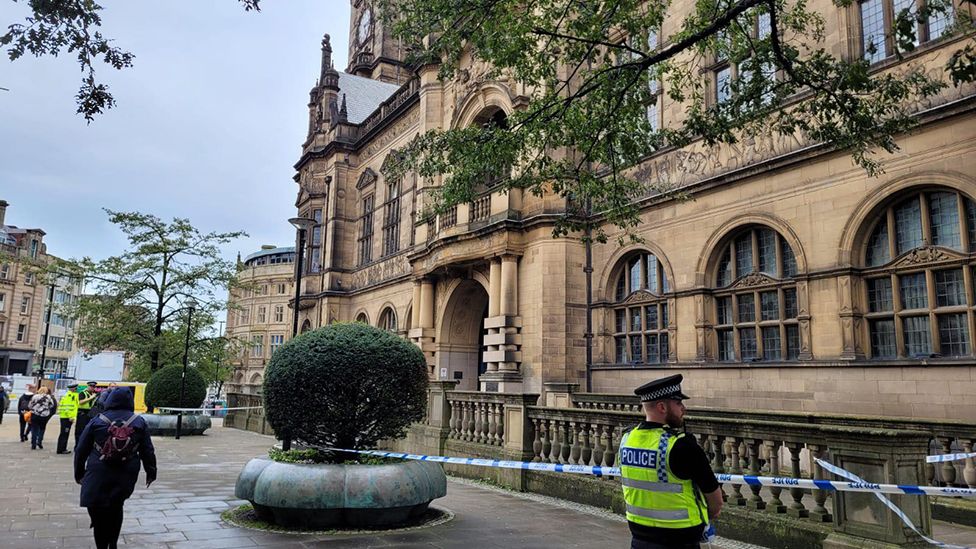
x: 21, y: 295
x: 791, y: 280
x: 258, y: 314
x: 61, y: 332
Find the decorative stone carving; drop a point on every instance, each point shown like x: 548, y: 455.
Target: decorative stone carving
x: 367, y: 179
x: 928, y: 254
x: 754, y: 279
x: 381, y: 141
x: 640, y: 296
x: 380, y: 272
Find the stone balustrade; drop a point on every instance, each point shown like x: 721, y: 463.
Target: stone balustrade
x: 477, y: 417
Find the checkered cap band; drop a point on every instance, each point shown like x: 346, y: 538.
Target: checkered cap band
x: 661, y: 393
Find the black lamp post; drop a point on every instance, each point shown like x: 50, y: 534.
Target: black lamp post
x: 190, y: 305
x: 302, y: 224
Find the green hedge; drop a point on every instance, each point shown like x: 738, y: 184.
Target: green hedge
x: 163, y: 388
x: 345, y: 386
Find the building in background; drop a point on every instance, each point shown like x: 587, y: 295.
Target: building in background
x: 104, y: 366
x: 22, y: 296
x: 258, y: 313
x: 61, y: 332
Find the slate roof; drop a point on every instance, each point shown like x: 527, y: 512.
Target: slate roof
x: 363, y: 95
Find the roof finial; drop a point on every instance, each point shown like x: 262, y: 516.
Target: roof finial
x: 343, y: 113
x: 329, y: 77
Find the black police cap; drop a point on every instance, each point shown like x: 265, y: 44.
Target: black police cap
x: 666, y: 387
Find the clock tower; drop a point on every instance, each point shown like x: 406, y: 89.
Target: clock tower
x: 373, y: 52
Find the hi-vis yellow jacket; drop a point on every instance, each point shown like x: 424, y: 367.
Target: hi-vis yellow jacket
x: 68, y: 407
x: 654, y: 496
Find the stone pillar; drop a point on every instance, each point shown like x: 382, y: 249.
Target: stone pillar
x: 438, y: 408
x: 884, y: 457
x: 422, y: 322
x: 494, y: 287
x: 415, y: 310
x: 559, y: 394
x: 503, y: 327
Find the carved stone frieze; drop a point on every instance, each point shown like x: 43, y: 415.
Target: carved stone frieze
x: 929, y: 254
x: 754, y: 279
x: 367, y: 179
x: 381, y: 141
x: 640, y: 296
x: 380, y: 272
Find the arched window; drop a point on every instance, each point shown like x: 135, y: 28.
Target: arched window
x: 641, y: 319
x: 361, y: 317
x: 306, y: 326
x: 388, y: 320
x: 919, y: 276
x: 756, y: 305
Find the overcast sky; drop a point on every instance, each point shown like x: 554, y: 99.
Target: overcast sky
x: 208, y: 123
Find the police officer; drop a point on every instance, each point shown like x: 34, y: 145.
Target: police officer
x: 669, y: 487
x: 68, y: 410
x: 85, y: 401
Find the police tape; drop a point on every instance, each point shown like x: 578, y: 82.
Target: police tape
x: 208, y: 409
x: 949, y: 457
x: 887, y: 502
x: 750, y: 480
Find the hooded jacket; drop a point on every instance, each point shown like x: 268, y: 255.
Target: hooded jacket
x: 104, y: 484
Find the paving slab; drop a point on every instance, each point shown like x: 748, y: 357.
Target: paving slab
x: 39, y: 506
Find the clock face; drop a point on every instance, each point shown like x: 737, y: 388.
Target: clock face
x: 364, y: 22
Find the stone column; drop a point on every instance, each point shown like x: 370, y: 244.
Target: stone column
x: 503, y: 338
x: 494, y: 287
x: 422, y: 319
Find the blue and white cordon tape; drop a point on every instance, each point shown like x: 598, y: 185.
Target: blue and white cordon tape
x: 751, y: 480
x: 949, y: 457
x: 855, y: 484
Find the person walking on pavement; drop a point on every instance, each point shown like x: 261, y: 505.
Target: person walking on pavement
x: 670, y: 491
x: 23, y: 406
x: 4, y: 402
x: 106, y: 464
x: 42, y: 408
x: 68, y: 410
x: 85, y: 401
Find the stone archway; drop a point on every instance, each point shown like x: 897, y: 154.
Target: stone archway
x: 460, y: 339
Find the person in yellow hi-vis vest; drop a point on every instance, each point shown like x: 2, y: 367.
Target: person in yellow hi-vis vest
x: 669, y: 487
x: 68, y: 410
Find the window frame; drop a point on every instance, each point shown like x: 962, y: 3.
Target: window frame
x: 641, y: 299
x: 923, y: 29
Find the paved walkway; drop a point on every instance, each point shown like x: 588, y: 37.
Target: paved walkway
x: 39, y: 505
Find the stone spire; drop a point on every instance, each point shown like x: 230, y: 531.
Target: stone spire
x: 329, y: 77
x: 343, y: 113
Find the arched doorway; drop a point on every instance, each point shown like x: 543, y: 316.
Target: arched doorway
x: 461, y: 335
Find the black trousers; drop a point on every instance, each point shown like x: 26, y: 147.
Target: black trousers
x: 24, y: 427
x: 38, y: 425
x: 63, y: 435
x: 641, y: 544
x: 107, y: 523
x: 84, y: 416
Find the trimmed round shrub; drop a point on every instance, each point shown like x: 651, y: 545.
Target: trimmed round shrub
x: 347, y: 385
x: 163, y: 388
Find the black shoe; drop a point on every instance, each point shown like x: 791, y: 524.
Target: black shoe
x: 33, y: 447
x: 65, y: 452
x: 39, y: 445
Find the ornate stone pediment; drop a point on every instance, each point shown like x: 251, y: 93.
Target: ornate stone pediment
x: 640, y: 296
x: 928, y: 254
x: 368, y: 178
x: 754, y: 279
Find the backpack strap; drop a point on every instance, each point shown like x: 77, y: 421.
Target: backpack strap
x: 125, y: 423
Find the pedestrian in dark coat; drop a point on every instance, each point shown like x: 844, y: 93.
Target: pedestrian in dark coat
x: 23, y: 405
x: 105, y: 486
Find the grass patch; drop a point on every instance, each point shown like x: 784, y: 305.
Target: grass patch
x: 245, y: 517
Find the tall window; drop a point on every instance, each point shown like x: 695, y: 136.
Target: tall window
x: 245, y: 315
x: 920, y: 300
x: 262, y: 313
x: 388, y: 320
x: 257, y: 346
x: 640, y: 316
x: 727, y: 73
x: 315, y: 243
x: 366, y: 232
x: 25, y: 305
x: 3, y: 302
x: 279, y: 313
x: 21, y: 333
x: 654, y: 107
x: 29, y: 278
x: 362, y: 318
x: 879, y: 19
x: 4, y: 271
x: 277, y: 340
x: 281, y: 289
x: 756, y: 317
x: 33, y: 249
x: 391, y: 219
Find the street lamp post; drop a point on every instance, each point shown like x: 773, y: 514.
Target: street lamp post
x: 190, y: 305
x: 47, y: 330
x: 218, y: 362
x: 302, y: 224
